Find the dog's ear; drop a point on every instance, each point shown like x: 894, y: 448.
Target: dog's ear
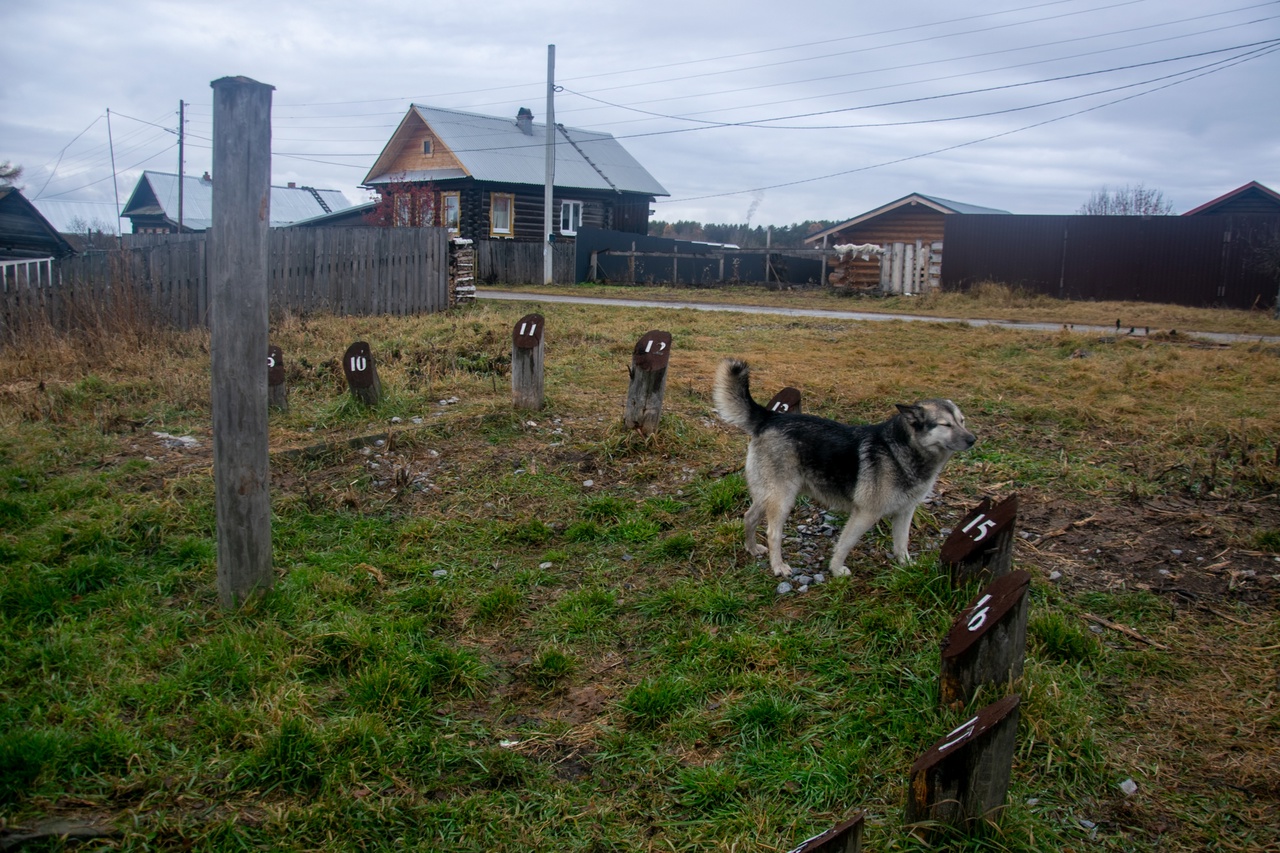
x: 914, y: 414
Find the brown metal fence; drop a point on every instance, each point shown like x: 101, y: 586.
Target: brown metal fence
x: 1201, y: 261
x: 342, y: 270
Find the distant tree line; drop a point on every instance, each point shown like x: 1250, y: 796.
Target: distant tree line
x: 746, y: 236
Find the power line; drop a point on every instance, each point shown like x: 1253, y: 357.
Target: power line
x: 959, y: 145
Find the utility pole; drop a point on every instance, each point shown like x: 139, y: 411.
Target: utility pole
x: 114, y: 184
x: 548, y: 217
x: 182, y: 127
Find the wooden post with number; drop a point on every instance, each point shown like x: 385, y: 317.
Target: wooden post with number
x: 238, y: 335
x: 988, y: 643
x: 843, y: 838
x: 964, y: 777
x: 982, y: 543
x: 526, y: 362
x: 362, y: 373
x: 648, y: 373
x: 786, y: 401
x: 277, y: 390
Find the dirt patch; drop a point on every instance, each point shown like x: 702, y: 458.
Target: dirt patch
x: 1182, y: 549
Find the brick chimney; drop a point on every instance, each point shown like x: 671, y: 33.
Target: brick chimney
x: 524, y: 121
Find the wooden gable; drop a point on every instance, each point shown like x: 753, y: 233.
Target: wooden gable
x: 406, y: 152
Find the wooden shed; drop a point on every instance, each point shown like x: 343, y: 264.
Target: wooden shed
x: 1252, y: 199
x: 913, y: 225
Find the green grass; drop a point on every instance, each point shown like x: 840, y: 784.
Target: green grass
x: 486, y: 653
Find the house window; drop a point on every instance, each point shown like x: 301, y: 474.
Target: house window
x: 502, y: 208
x: 570, y: 217
x: 452, y: 205
x: 402, y: 211
x: 426, y: 146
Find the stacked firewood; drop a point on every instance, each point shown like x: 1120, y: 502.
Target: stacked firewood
x: 856, y: 267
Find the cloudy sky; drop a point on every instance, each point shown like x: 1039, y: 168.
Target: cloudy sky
x: 760, y: 112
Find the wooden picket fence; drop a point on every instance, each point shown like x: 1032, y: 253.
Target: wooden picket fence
x: 347, y: 271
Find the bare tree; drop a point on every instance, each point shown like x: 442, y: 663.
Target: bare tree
x: 9, y: 174
x: 1127, y: 201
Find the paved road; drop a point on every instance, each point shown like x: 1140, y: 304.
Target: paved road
x: 533, y: 296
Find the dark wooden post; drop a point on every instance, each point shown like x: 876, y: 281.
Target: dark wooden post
x: 988, y: 643
x: 648, y: 373
x: 238, y: 335
x: 964, y: 776
x: 526, y: 362
x: 277, y: 390
x: 786, y: 401
x: 844, y: 838
x: 362, y: 373
x: 982, y: 543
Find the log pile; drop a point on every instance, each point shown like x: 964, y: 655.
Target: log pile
x: 855, y: 267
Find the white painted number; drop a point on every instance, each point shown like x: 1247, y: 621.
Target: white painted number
x: 984, y: 527
x: 959, y: 734
x: 662, y: 345
x: 271, y: 361
x: 359, y: 364
x: 533, y: 329
x: 781, y: 407
x: 979, y: 615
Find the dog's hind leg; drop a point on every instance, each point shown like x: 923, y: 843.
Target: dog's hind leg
x: 859, y: 523
x: 776, y: 510
x: 902, y: 533
x: 750, y: 522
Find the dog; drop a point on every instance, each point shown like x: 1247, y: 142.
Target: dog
x: 870, y: 471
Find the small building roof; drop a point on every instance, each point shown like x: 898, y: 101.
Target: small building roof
x: 72, y: 217
x: 24, y: 232
x: 156, y: 194
x: 941, y: 205
x: 499, y: 150
x: 1253, y: 197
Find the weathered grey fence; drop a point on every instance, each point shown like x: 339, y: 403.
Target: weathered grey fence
x: 342, y: 270
x: 513, y: 262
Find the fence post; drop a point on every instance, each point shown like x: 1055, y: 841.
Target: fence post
x: 964, y: 777
x: 988, y: 642
x: 648, y: 372
x: 786, y: 401
x: 362, y: 374
x: 982, y: 543
x: 526, y: 362
x: 277, y: 390
x: 238, y: 335
x: 843, y: 838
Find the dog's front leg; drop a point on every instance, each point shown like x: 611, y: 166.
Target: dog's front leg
x: 901, y: 534
x: 858, y: 524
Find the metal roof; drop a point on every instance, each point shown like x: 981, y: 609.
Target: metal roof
x: 941, y: 205
x: 496, y: 150
x: 71, y: 217
x: 157, y: 194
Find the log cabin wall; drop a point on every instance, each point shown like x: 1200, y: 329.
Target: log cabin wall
x: 902, y: 225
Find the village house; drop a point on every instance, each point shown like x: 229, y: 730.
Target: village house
x: 483, y: 177
x: 153, y: 206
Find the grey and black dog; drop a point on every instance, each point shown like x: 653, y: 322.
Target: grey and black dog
x: 870, y: 471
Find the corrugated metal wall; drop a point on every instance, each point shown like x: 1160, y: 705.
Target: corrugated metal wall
x: 1194, y: 260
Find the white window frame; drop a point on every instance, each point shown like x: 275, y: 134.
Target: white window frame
x: 572, y: 211
x: 494, y: 229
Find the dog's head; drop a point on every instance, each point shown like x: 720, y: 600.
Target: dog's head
x: 938, y: 425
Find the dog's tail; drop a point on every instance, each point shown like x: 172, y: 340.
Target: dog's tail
x: 732, y: 397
